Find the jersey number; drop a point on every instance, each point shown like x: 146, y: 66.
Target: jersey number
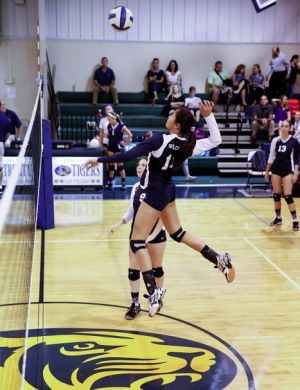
x: 168, y: 163
x: 282, y: 148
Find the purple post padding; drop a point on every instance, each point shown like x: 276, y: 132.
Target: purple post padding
x: 45, y: 219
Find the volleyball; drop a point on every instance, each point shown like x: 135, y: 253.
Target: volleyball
x: 120, y: 19
x: 94, y: 143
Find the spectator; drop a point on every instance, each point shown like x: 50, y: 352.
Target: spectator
x: 13, y: 119
x: 280, y: 67
x: 176, y: 99
x: 262, y: 119
x: 155, y: 80
x: 104, y: 80
x: 239, y: 83
x: 257, y: 83
x: 219, y: 81
x: 296, y: 126
x: 295, y: 70
x: 4, y: 134
x: 173, y: 76
x: 192, y: 103
x: 281, y: 109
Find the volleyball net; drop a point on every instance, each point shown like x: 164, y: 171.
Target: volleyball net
x: 18, y: 216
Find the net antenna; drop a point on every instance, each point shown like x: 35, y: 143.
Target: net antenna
x: 262, y: 5
x: 18, y: 217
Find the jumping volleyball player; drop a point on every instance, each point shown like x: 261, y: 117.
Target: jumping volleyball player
x: 156, y: 244
x: 284, y: 163
x: 165, y: 153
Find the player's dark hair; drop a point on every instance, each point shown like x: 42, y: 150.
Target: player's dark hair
x: 294, y: 57
x: 143, y: 158
x: 187, y: 123
x: 0, y: 102
x: 169, y: 66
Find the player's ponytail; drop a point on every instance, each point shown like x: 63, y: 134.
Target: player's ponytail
x: 115, y: 116
x: 187, y: 122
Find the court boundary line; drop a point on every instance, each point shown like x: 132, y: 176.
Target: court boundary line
x: 267, y: 224
x: 272, y: 264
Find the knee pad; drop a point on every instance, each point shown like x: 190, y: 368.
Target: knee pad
x: 177, y: 236
x: 289, y: 199
x: 112, y: 167
x: 276, y: 197
x: 133, y: 274
x: 120, y: 168
x: 136, y: 245
x: 158, y: 272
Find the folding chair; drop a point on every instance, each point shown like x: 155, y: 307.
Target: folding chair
x: 256, y: 167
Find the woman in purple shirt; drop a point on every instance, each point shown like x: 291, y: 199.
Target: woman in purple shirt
x: 257, y: 83
x: 281, y: 109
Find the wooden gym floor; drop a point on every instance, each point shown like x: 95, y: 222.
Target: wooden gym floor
x: 209, y: 334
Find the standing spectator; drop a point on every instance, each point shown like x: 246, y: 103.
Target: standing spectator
x: 262, y: 119
x: 217, y: 79
x: 13, y: 119
x: 104, y: 80
x: 257, y: 83
x: 155, y: 80
x: 281, y: 109
x: 192, y: 103
x: 296, y: 126
x: 173, y: 76
x: 240, y: 83
x: 295, y: 70
x: 280, y: 67
x: 4, y: 134
x: 176, y: 99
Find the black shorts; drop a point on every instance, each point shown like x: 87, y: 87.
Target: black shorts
x: 194, y: 110
x: 105, y: 145
x: 281, y: 171
x: 157, y: 198
x: 114, y: 150
x: 161, y: 237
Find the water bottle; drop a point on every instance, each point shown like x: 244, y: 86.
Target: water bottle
x: 99, y: 114
x: 87, y: 143
x: 121, y: 115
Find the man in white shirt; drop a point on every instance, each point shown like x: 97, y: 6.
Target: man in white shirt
x: 193, y: 103
x: 280, y: 67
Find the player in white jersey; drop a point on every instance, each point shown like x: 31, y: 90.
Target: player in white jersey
x: 284, y: 165
x: 157, y: 193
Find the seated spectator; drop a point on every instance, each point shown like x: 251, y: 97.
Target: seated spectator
x: 173, y: 76
x: 240, y: 84
x: 296, y: 124
x: 219, y: 81
x: 155, y: 80
x: 13, y: 121
x: 281, y: 109
x: 262, y: 119
x: 295, y: 70
x: 176, y: 99
x: 104, y: 80
x: 192, y: 103
x: 257, y: 83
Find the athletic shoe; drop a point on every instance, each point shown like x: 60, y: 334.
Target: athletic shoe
x: 123, y: 188
x: 108, y: 186
x: 162, y: 292
x: 153, y: 301
x: 277, y: 221
x: 296, y: 226
x: 133, y: 311
x: 226, y: 267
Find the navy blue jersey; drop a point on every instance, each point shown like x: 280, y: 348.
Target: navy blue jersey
x: 284, y: 154
x: 4, y: 127
x: 115, y: 135
x: 14, y: 121
x: 161, y: 150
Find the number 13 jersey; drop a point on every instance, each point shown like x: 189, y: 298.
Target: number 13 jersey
x: 284, y: 155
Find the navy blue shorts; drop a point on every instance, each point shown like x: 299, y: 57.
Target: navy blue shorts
x: 161, y: 237
x: 114, y: 150
x: 281, y: 171
x: 157, y: 198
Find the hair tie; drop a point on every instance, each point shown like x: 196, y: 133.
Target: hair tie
x: 192, y: 128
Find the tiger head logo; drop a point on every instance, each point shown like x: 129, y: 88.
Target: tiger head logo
x: 114, y: 360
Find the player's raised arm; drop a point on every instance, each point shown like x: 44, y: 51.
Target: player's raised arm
x: 202, y: 145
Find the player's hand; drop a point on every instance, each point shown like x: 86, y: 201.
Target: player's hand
x: 206, y: 108
x: 294, y: 178
x: 89, y: 164
x: 115, y: 227
x: 267, y: 78
x: 267, y: 177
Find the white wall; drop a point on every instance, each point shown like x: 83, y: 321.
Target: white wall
x: 76, y: 61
